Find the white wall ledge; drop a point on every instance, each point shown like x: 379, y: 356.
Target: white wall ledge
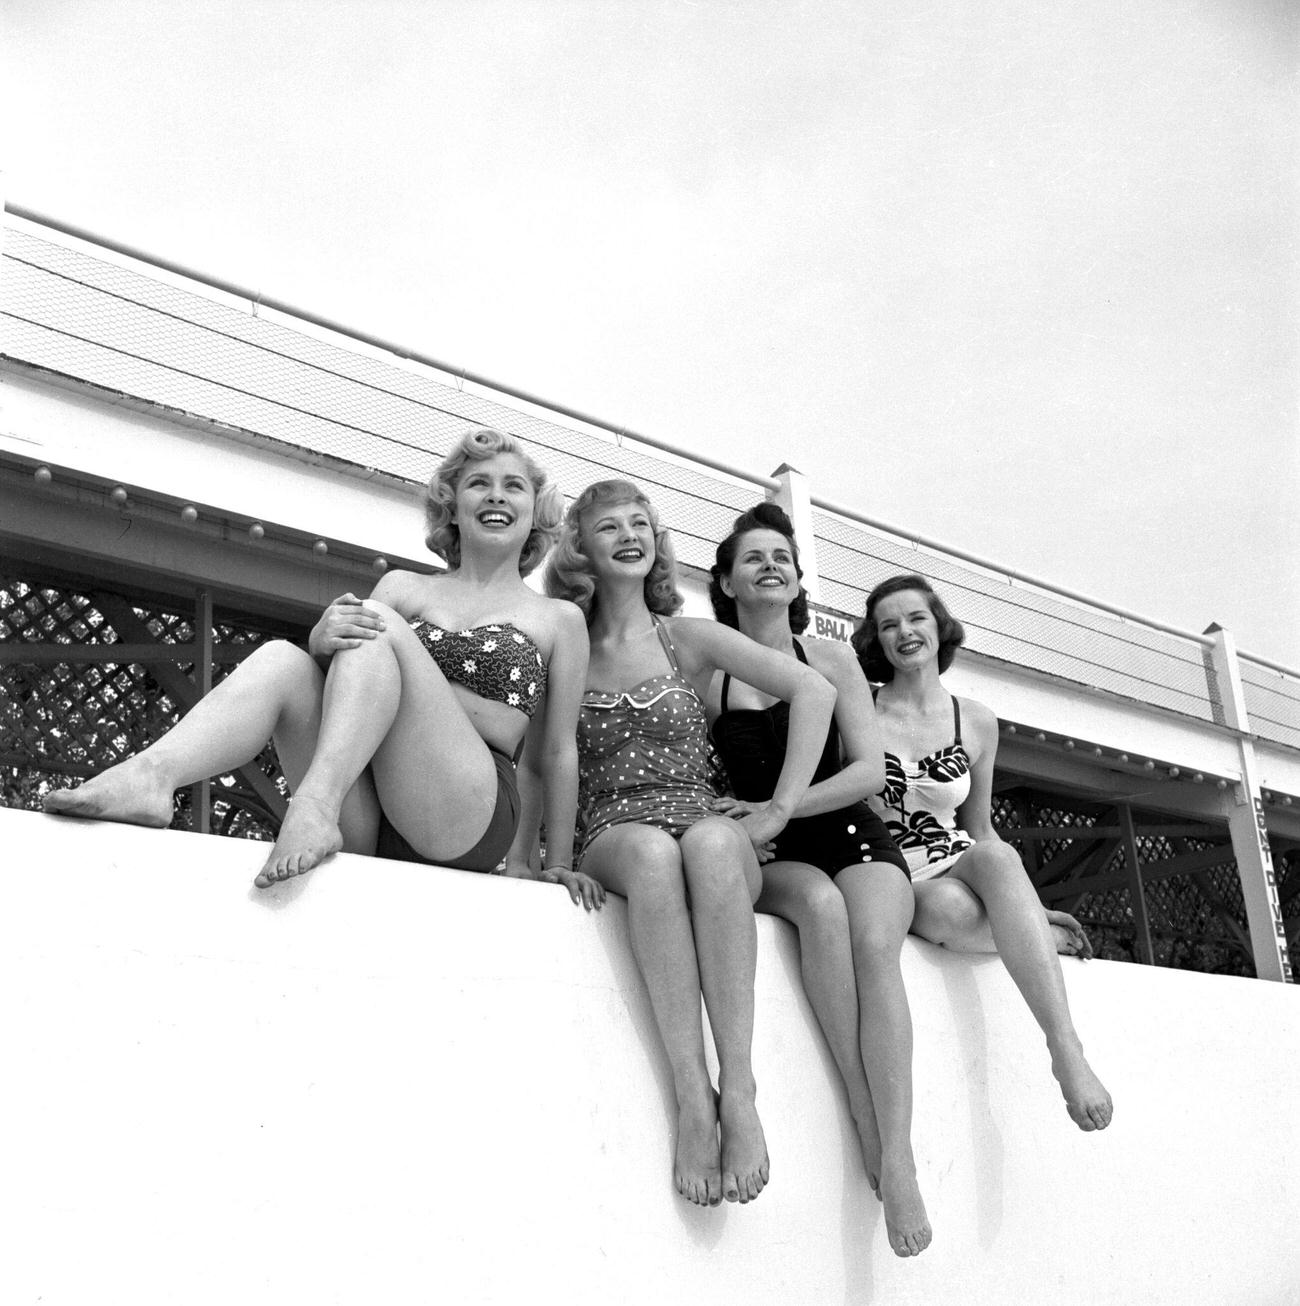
x: 389, y: 1083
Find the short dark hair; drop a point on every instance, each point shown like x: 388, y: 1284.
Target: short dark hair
x: 866, y: 639
x: 761, y: 517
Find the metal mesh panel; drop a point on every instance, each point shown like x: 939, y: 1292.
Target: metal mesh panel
x: 1272, y: 703
x: 1018, y: 624
x: 127, y: 332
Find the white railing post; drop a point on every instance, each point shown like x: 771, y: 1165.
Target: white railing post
x: 1246, y: 823
x: 795, y: 497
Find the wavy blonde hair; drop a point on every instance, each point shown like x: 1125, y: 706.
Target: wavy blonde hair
x: 442, y: 535
x: 568, y: 572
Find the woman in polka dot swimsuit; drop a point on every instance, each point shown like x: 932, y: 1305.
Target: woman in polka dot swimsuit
x: 938, y: 794
x: 649, y: 833
x: 837, y: 876
x: 397, y: 731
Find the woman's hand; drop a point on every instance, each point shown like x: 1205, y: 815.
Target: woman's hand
x: 735, y: 807
x: 756, y: 820
x: 582, y: 889
x: 344, y: 624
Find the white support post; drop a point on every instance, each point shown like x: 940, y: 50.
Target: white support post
x: 1246, y: 824
x: 796, y: 498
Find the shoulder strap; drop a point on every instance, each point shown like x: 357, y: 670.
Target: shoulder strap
x: 662, y: 631
x: 726, y: 686
x: 956, y: 720
x: 798, y: 651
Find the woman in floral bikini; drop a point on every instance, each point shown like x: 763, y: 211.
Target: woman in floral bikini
x: 936, y: 803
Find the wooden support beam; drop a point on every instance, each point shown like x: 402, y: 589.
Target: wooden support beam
x: 1137, y: 896
x: 24, y: 653
x: 181, y: 688
x: 1215, y: 899
x: 201, y: 792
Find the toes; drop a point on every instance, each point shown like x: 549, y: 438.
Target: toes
x: 715, y: 1190
x: 730, y: 1188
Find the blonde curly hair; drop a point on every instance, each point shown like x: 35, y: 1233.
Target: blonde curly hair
x: 442, y: 535
x: 568, y: 570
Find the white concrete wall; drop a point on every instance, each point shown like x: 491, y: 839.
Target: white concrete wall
x: 395, y: 1084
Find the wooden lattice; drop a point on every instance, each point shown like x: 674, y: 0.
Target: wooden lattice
x: 61, y: 721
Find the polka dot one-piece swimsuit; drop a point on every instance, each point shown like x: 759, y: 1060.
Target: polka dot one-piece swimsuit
x: 643, y: 755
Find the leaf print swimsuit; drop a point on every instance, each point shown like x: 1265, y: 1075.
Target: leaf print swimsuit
x: 919, y: 805
x: 643, y: 755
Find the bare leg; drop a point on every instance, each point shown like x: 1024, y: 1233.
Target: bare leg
x: 430, y: 764
x: 880, y: 905
x: 644, y: 865
x: 723, y: 880
x: 949, y: 914
x: 274, y: 694
x: 994, y: 872
x: 806, y: 897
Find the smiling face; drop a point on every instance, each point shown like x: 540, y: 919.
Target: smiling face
x: 619, y: 540
x: 907, y: 630
x: 763, y: 574
x: 494, y: 500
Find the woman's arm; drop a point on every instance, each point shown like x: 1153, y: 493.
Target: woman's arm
x: 980, y: 727
x: 709, y: 647
x: 557, y: 754
x: 863, y: 772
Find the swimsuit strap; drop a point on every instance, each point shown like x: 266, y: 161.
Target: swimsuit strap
x: 726, y: 676
x: 956, y: 720
x: 662, y: 631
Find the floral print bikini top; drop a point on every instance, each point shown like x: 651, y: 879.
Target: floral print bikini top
x: 498, y: 662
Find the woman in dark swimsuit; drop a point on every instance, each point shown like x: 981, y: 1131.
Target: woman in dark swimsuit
x: 936, y: 801
x: 405, y: 744
x: 649, y: 832
x: 836, y: 875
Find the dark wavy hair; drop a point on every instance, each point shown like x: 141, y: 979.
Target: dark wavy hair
x: 866, y: 639
x: 568, y: 570
x: 442, y: 535
x: 761, y: 517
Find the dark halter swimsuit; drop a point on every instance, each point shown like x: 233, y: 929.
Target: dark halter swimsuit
x: 752, y: 743
x: 500, y: 663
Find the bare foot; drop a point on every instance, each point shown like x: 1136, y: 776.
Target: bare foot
x: 133, y: 791
x: 1068, y: 935
x: 310, y: 833
x: 745, y: 1166
x: 1085, y: 1095
x: 906, y: 1223
x: 696, y: 1164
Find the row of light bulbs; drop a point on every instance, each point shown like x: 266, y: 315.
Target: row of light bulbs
x: 1146, y: 764
x: 189, y: 514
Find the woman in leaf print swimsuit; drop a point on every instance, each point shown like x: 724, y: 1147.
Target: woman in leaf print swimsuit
x: 649, y: 831
x: 939, y: 754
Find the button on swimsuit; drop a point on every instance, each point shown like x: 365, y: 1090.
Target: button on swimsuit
x: 753, y: 742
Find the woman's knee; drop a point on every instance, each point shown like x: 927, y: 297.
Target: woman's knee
x: 945, y: 911
x: 718, y: 859
x: 279, y: 657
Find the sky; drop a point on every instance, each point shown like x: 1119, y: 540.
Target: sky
x: 1018, y: 277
